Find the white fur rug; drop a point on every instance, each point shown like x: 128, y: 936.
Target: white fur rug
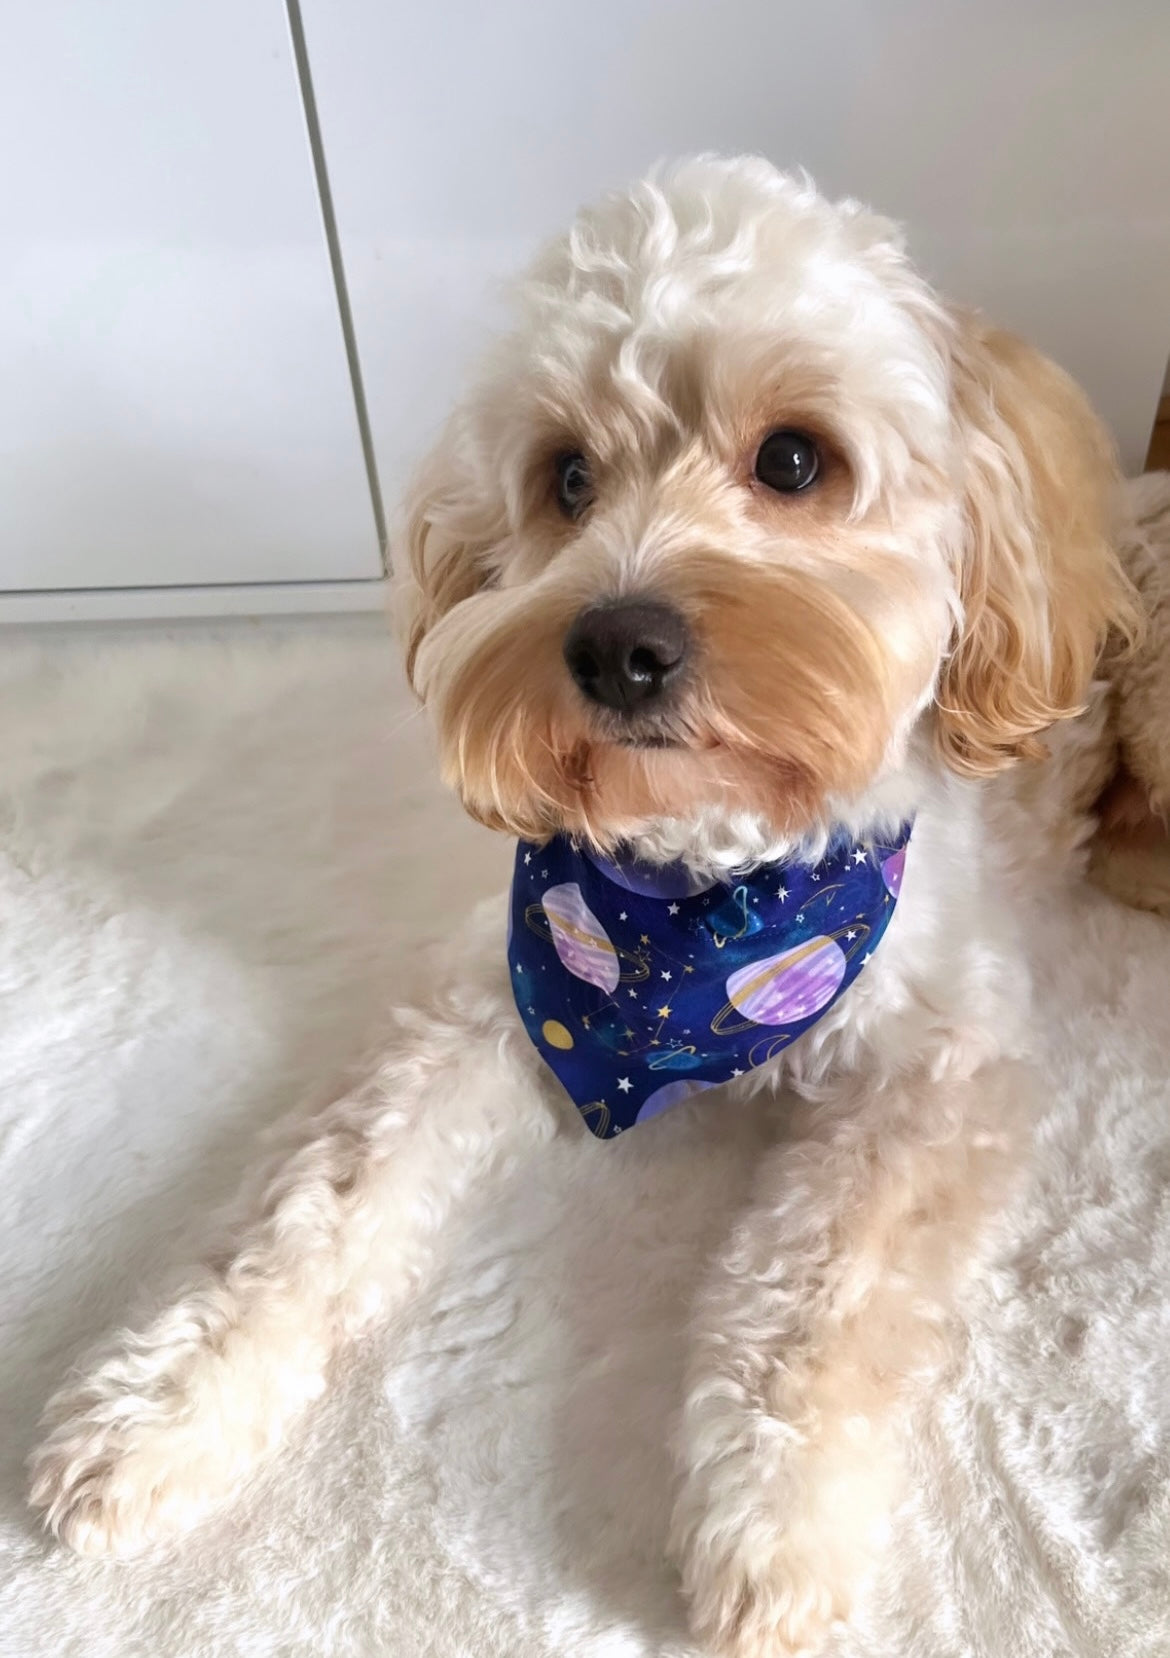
x: 217, y: 854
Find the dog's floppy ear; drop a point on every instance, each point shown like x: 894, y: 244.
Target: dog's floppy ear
x: 443, y: 546
x: 1040, y: 582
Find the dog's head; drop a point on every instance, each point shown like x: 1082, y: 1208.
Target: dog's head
x: 740, y: 510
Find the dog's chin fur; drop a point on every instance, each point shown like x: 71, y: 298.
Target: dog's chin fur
x: 930, y: 612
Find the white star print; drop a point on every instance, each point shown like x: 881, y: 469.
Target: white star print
x: 816, y: 877
x: 623, y: 916
x: 666, y: 973
x: 632, y: 993
x: 800, y: 921
x: 625, y: 1084
x: 528, y: 857
x: 782, y: 893
x: 851, y: 934
x: 672, y: 909
x: 867, y: 958
x: 859, y: 856
x: 737, y: 1072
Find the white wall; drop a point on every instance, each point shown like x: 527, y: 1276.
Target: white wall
x: 1026, y: 144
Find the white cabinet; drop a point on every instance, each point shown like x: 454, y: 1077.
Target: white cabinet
x: 1027, y: 145
x: 177, y: 414
x: 175, y: 402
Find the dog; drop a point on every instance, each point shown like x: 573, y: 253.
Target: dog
x: 743, y: 547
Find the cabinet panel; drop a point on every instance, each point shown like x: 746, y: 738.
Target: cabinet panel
x: 175, y: 405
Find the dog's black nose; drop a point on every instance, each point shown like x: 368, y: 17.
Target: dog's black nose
x: 624, y: 655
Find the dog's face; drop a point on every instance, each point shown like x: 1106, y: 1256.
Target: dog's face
x: 730, y: 515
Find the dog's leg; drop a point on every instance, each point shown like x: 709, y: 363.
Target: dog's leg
x: 339, y: 1233
x: 833, y: 1297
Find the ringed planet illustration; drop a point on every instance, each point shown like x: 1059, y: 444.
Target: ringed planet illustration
x: 579, y: 939
x: 784, y: 989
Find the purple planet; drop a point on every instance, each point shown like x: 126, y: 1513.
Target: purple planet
x: 671, y: 1093
x: 579, y: 939
x: 892, y: 872
x: 665, y: 881
x: 784, y: 989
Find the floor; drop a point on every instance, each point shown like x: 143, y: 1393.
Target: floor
x: 221, y: 850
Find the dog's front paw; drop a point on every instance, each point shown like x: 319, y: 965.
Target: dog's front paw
x: 118, y: 1474
x: 776, y: 1533
x: 142, y: 1449
x: 762, y: 1594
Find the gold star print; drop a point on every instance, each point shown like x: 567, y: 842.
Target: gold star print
x: 664, y: 1013
x: 645, y: 939
x: 585, y: 1021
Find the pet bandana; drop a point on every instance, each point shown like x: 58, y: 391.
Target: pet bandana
x: 641, y: 986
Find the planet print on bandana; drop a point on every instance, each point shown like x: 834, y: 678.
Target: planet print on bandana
x: 671, y: 1093
x: 651, y: 880
x: 641, y: 987
x: 578, y: 937
x: 892, y: 872
x: 784, y: 989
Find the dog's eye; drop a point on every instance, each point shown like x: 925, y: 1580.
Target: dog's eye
x: 574, y: 484
x: 788, y: 461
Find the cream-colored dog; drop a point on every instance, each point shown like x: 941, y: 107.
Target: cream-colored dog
x: 886, y: 537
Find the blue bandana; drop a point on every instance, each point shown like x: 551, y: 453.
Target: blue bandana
x: 641, y: 986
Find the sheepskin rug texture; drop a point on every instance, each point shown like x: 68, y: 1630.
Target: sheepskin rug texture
x: 220, y: 851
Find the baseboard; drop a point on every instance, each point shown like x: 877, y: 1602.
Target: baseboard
x: 132, y: 604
